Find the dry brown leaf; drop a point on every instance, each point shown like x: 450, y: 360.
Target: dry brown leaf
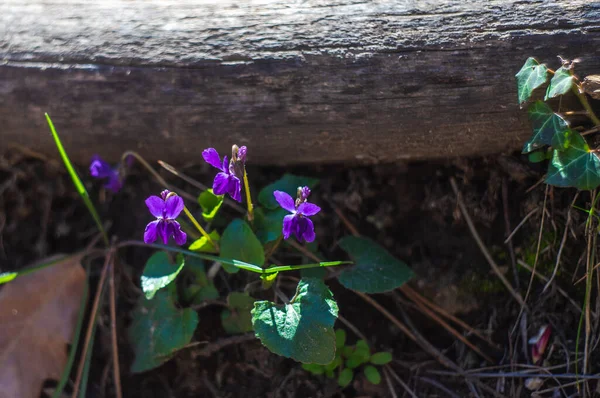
x: 38, y: 313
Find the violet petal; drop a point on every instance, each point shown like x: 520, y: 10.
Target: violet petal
x: 211, y: 156
x: 235, y: 189
x: 288, y: 225
x: 173, y: 206
x: 309, y: 230
x: 114, y: 183
x: 285, y: 201
x: 308, y: 209
x: 156, y: 206
x: 99, y: 168
x: 221, y: 184
x: 151, y: 231
x: 163, y: 231
x: 179, y: 236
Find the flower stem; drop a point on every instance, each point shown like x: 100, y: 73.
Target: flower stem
x: 588, y: 108
x: 199, y: 227
x: 248, y: 197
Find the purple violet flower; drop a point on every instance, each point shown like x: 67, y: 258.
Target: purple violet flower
x: 101, y: 169
x: 166, y: 209
x: 298, y: 222
x: 228, y: 180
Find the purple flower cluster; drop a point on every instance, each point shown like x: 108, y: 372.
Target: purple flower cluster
x: 166, y: 209
x: 101, y: 169
x: 229, y: 179
x: 298, y: 222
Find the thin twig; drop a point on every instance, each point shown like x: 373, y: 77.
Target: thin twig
x: 388, y: 371
x: 88, y: 334
x: 562, y: 244
x: 438, y: 385
x: 523, y: 221
x: 353, y: 328
x: 113, y: 330
x: 482, y: 247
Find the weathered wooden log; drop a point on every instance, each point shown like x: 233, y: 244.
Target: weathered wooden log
x: 299, y: 82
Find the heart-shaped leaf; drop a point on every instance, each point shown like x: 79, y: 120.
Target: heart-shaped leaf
x: 561, y: 83
x: 546, y: 125
x: 238, y: 318
x: 289, y: 184
x: 159, y: 272
x: 158, y: 330
x: 575, y: 167
x: 531, y: 76
x: 239, y: 242
x: 303, y: 329
x: 210, y: 204
x: 375, y: 269
x: 269, y: 224
x: 203, y: 245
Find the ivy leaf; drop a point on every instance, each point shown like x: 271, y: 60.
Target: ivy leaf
x: 575, y: 167
x: 375, y: 269
x: 159, y: 272
x: 561, y: 83
x: 303, y: 329
x: 537, y: 156
x: 203, y: 245
x: 158, y: 330
x: 531, y: 76
x: 238, y: 318
x: 289, y: 183
x: 546, y: 124
x: 240, y: 243
x: 210, y: 204
x: 201, y: 288
x: 562, y: 140
x: 269, y: 224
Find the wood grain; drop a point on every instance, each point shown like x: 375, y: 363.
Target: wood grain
x: 298, y: 82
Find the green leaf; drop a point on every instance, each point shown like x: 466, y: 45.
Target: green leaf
x: 546, y: 124
x: 203, y: 245
x: 372, y: 374
x: 289, y: 183
x: 340, y: 338
x: 575, y: 167
x: 201, y: 288
x: 76, y: 180
x: 210, y: 204
x: 238, y: 319
x: 7, y: 277
x: 531, y: 76
x: 561, y: 83
x: 345, y: 377
x: 360, y: 355
x: 303, y: 329
x: 319, y: 273
x: 159, y: 272
x: 268, y: 224
x: 240, y: 243
x: 376, y: 270
x: 268, y: 279
x: 562, y: 140
x: 313, y: 368
x: 337, y: 361
x: 158, y: 330
x: 537, y: 156
x: 381, y: 358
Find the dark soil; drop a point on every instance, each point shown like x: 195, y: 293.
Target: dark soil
x: 410, y: 209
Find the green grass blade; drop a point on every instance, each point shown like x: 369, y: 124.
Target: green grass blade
x: 76, y: 181
x: 75, y: 343
x: 280, y: 268
x: 6, y: 277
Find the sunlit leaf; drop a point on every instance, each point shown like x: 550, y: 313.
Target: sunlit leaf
x: 289, y: 183
x: 268, y: 279
x: 546, y: 124
x: 159, y: 272
x: 240, y: 243
x: 203, y: 245
x: 210, y: 204
x: 238, y: 318
x: 375, y: 269
x: 531, y: 76
x: 158, y: 330
x: 576, y: 166
x: 303, y: 329
x: 561, y: 83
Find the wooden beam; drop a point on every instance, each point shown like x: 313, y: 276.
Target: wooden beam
x: 355, y: 81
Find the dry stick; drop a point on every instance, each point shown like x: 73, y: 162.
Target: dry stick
x: 354, y: 329
x: 534, y: 186
x: 562, y: 244
x: 198, y: 184
x: 482, y: 247
x: 588, y: 322
x: 88, y: 333
x: 545, y: 279
x: 531, y: 213
x: 388, y: 371
x: 449, y: 328
x: 113, y: 332
x: 408, y: 290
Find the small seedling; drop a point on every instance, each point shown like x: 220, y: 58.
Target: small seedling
x: 349, y: 359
